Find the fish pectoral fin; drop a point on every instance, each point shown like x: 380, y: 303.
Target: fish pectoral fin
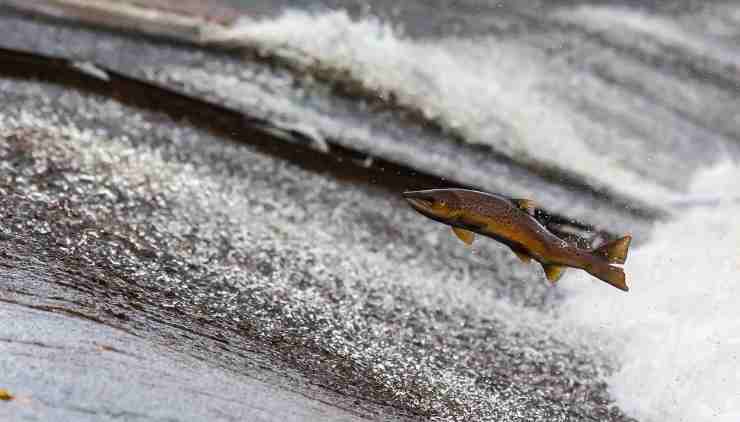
x: 553, y: 272
x: 526, y: 205
x: 465, y: 235
x: 522, y: 255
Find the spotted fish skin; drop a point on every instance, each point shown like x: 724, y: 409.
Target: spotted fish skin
x: 512, y: 223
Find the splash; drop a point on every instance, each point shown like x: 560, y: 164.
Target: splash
x: 677, y: 332
x: 495, y: 92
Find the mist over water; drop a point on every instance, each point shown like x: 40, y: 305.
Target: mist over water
x: 676, y: 334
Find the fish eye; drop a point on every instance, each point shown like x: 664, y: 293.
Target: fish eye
x: 442, y: 203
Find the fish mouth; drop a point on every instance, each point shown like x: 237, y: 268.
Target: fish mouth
x: 419, y: 200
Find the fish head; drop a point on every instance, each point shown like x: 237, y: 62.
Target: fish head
x: 438, y: 204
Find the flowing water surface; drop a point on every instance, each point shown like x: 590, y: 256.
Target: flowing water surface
x: 640, y: 100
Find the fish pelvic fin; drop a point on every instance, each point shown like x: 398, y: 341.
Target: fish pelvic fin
x: 615, y: 251
x: 465, y: 235
x: 553, y: 272
x: 611, y: 274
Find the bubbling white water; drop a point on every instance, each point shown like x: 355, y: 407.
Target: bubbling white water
x: 492, y: 91
x: 677, y: 332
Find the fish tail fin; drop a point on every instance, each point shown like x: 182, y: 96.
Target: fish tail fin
x: 615, y: 251
x: 611, y: 274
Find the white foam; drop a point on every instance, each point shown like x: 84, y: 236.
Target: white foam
x: 492, y: 91
x: 676, y: 334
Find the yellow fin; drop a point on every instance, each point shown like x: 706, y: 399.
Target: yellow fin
x: 465, y: 235
x: 526, y: 205
x: 522, y: 255
x: 553, y: 272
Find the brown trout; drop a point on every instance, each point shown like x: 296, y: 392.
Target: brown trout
x: 512, y: 222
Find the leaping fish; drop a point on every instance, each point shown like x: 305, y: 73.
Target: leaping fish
x: 512, y: 222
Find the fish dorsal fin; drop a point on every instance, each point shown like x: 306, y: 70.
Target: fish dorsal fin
x: 522, y: 255
x: 553, y: 272
x: 526, y: 205
x: 465, y: 235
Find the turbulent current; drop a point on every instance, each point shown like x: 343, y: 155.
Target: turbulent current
x: 621, y: 118
x: 583, y: 91
x: 584, y: 99
x: 676, y: 334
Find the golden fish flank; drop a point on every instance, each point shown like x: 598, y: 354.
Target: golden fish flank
x: 512, y: 223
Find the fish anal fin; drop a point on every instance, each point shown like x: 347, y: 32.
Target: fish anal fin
x: 465, y: 235
x: 615, y: 251
x: 526, y: 205
x: 553, y: 272
x: 521, y: 254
